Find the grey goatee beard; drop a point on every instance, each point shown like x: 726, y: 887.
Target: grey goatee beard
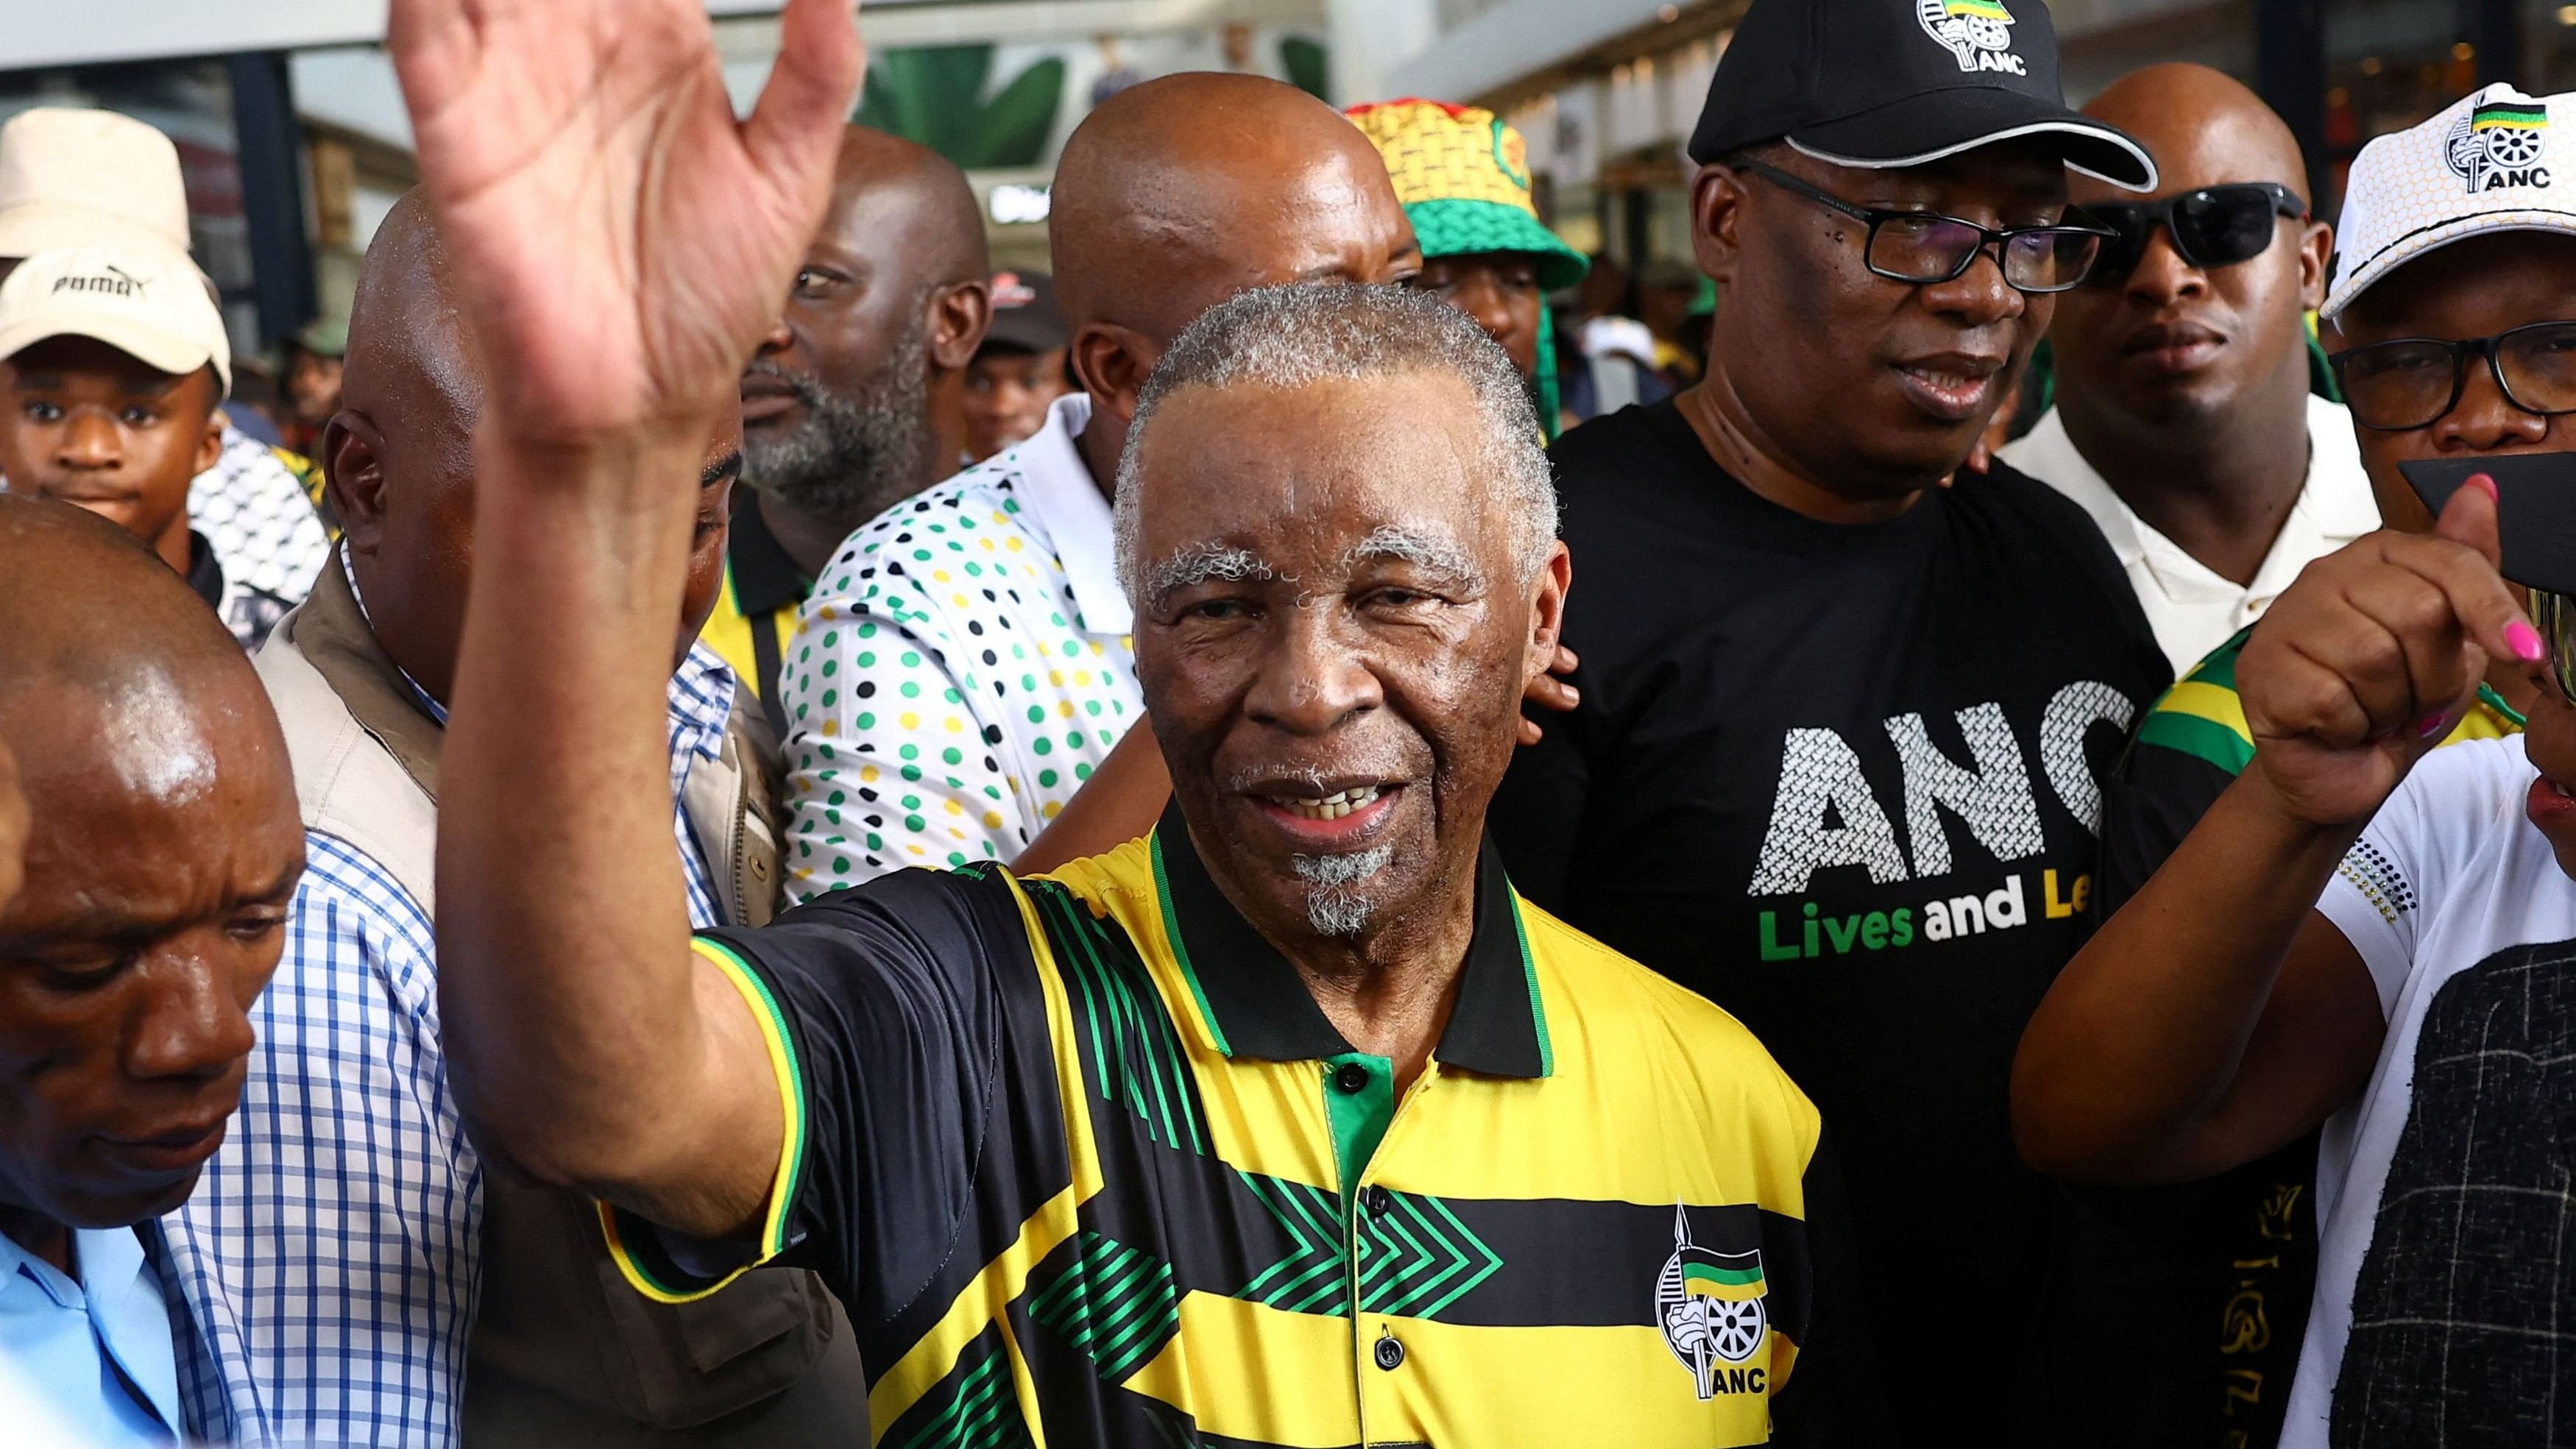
x: 1337, y: 906
x: 852, y: 456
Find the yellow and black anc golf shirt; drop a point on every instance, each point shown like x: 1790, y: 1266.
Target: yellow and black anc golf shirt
x: 754, y: 618
x: 1089, y: 1167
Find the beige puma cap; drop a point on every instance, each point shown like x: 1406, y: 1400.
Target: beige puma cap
x: 143, y: 300
x: 72, y: 178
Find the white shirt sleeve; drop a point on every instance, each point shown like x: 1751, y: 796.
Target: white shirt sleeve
x: 2410, y: 852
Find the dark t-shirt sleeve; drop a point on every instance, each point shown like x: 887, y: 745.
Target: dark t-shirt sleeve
x: 885, y: 1009
x: 1834, y: 1397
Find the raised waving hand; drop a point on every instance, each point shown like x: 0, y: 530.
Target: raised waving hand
x: 621, y: 238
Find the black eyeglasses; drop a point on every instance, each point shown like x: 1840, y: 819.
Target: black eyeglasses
x: 2412, y: 382
x: 2216, y: 226
x: 1925, y: 247
x: 2556, y: 616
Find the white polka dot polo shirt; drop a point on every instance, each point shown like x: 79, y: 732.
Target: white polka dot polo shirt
x: 959, y: 670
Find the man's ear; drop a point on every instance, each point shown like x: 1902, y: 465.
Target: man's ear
x: 1717, y: 199
x: 353, y: 472
x: 1112, y: 362
x: 959, y: 315
x: 2316, y: 249
x: 1547, y: 611
x: 210, y: 444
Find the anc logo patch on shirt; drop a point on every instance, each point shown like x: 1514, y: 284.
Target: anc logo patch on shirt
x: 2498, y: 145
x: 1710, y: 1307
x: 1977, y: 33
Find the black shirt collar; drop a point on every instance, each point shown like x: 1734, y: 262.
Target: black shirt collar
x: 205, y: 574
x: 765, y: 578
x: 1257, y: 1006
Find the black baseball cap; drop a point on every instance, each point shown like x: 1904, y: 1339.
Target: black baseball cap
x: 1885, y: 83
x: 1024, y: 314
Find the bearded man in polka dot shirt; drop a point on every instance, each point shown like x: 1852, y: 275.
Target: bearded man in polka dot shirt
x: 963, y: 664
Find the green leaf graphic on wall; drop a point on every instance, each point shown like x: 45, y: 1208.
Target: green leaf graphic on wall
x: 933, y: 94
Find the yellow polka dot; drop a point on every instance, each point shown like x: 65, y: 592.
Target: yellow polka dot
x: 831, y: 727
x: 956, y: 809
x: 1082, y: 676
x: 828, y: 614
x: 1095, y: 648
x: 1051, y: 809
x: 992, y: 819
x: 1001, y: 518
x: 988, y: 544
x: 1013, y: 545
x: 911, y: 721
x: 1065, y: 708
x: 957, y: 835
x: 867, y: 774
x: 960, y: 600
x: 956, y: 726
x: 1056, y: 678
x: 940, y: 575
x: 914, y: 849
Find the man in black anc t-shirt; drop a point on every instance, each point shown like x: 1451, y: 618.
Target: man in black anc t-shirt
x: 1836, y: 760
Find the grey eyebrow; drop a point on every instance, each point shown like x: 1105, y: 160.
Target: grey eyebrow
x: 1190, y: 567
x: 1415, y: 547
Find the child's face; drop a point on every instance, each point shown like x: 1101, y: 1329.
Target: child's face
x: 85, y: 423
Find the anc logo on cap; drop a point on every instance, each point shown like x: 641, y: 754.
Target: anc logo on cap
x: 1709, y: 1306
x: 2498, y: 145
x: 1977, y: 33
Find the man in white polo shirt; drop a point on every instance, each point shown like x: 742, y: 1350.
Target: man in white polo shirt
x: 2183, y: 421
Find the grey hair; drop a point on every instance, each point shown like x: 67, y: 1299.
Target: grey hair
x: 1300, y: 334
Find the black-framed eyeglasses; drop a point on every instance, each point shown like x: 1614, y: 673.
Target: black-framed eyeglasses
x: 1925, y: 247
x: 2216, y: 226
x: 2413, y: 382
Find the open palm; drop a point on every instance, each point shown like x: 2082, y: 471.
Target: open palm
x: 626, y: 239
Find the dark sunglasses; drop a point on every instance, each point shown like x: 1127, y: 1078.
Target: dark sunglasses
x: 2216, y: 226
x: 2412, y: 382
x: 1925, y: 247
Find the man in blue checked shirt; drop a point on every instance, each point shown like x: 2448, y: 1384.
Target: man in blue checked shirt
x: 164, y: 847
x: 354, y: 1274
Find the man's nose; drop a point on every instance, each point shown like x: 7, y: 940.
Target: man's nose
x: 1491, y: 309
x: 191, y: 1023
x: 1979, y: 296
x: 2484, y: 419
x: 1312, y: 677
x: 777, y: 338
x: 2162, y: 277
x: 90, y: 441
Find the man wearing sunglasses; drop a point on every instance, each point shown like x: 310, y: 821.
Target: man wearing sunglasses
x: 2183, y: 421
x: 1835, y: 761
x: 2346, y: 938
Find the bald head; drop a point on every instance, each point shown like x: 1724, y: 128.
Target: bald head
x: 399, y: 454
x: 1180, y: 192
x: 2203, y: 127
x: 163, y: 847
x: 889, y: 193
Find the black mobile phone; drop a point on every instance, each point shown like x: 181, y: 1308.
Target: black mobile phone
x: 2535, y: 510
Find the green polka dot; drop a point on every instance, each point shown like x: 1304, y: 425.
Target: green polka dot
x: 912, y: 774
x: 912, y: 802
x: 866, y: 631
x: 952, y: 696
x: 1037, y: 714
x: 952, y: 755
x: 1047, y: 779
x: 875, y: 841
x: 974, y: 570
x: 831, y: 697
x: 1107, y: 738
x: 1073, y: 739
x: 911, y: 752
x: 840, y: 867
x: 831, y: 667
x: 1044, y: 746
x: 833, y: 816
x: 1091, y: 706
x: 867, y: 659
x: 911, y: 690
x: 911, y: 660
x: 1082, y: 772
x: 1071, y: 649
x: 921, y: 555
x: 1027, y: 681
x: 831, y: 638
x: 912, y: 823
x: 833, y: 799
x: 955, y: 859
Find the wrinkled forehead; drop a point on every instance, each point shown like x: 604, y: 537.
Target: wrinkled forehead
x: 1315, y: 479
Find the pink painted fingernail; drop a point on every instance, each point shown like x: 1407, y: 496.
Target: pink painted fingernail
x: 2525, y: 641
x: 2484, y: 484
x: 2429, y: 726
